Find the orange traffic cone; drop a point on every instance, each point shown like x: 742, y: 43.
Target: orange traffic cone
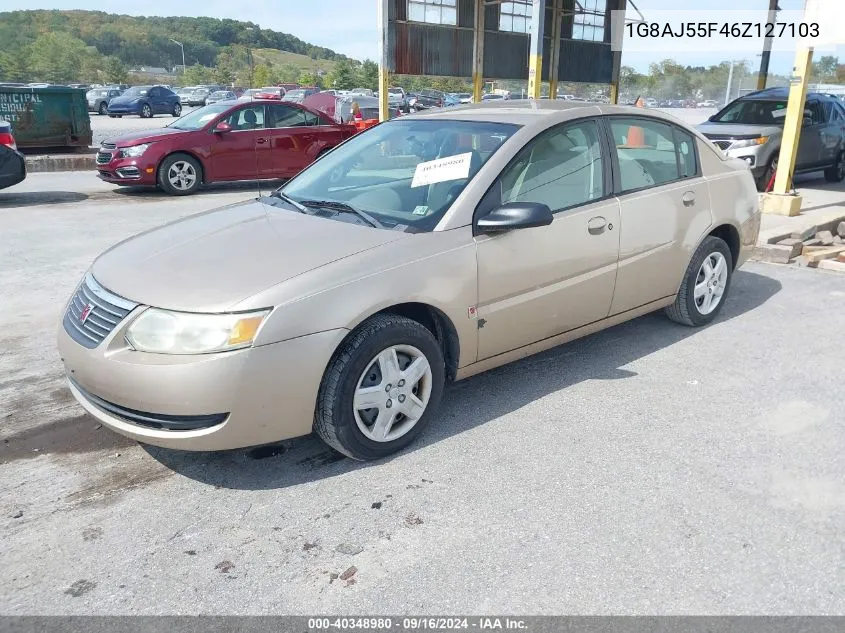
x: 636, y: 137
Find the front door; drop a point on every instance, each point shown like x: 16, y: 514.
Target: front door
x: 665, y: 208
x: 242, y: 153
x: 810, y: 143
x: 540, y: 282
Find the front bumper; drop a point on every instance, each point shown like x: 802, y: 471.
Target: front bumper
x: 126, y: 171
x: 205, y: 402
x: 124, y: 109
x: 12, y: 168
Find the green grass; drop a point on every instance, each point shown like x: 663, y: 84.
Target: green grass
x: 282, y: 58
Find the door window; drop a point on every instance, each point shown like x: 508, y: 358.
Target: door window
x: 817, y: 114
x: 651, y: 153
x: 154, y: 93
x: 285, y: 116
x: 561, y: 168
x: 251, y: 118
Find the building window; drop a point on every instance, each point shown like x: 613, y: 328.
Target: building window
x: 433, y: 11
x: 589, y: 23
x: 515, y: 17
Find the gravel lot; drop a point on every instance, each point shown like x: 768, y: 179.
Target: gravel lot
x: 651, y: 468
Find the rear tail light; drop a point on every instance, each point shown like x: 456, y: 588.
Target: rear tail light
x: 6, y: 137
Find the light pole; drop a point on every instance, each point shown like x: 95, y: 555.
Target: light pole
x: 183, y: 53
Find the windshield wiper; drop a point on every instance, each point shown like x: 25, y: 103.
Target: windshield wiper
x: 296, y: 205
x: 342, y: 207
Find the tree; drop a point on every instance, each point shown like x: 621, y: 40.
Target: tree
x: 307, y: 78
x: 368, y: 75
x: 197, y: 74
x: 264, y: 75
x: 343, y: 76
x: 115, y: 71
x: 57, y: 57
x: 824, y: 69
x: 12, y: 66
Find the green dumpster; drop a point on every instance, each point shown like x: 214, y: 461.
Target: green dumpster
x: 47, y: 117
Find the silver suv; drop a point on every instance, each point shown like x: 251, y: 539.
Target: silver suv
x: 751, y: 128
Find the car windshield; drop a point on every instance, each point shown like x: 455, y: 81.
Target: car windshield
x: 405, y: 173
x: 754, y: 112
x: 137, y: 91
x: 295, y: 94
x: 200, y: 117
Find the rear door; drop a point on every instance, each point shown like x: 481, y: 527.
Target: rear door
x: 297, y: 136
x: 810, y: 143
x: 832, y: 133
x: 243, y: 153
x: 665, y: 207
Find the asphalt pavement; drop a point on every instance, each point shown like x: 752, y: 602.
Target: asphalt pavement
x: 648, y: 469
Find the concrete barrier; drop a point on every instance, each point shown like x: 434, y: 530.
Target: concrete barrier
x: 60, y: 162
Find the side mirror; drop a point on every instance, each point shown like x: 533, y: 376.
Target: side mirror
x: 515, y: 215
x: 222, y: 126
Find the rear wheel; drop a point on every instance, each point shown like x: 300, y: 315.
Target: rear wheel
x: 146, y: 111
x: 836, y: 172
x: 180, y: 175
x: 177, y: 109
x: 103, y: 109
x: 707, y: 281
x: 381, y: 388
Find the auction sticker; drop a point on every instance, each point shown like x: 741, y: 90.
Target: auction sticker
x: 442, y: 170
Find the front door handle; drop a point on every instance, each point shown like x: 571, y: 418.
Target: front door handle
x: 596, y: 225
x: 261, y: 141
x: 688, y: 199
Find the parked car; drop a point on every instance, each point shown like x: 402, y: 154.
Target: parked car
x: 345, y: 301
x: 12, y: 162
x: 451, y: 100
x: 99, y: 98
x: 145, y: 101
x: 250, y: 94
x: 396, y: 98
x: 362, y: 92
x: 492, y: 96
x: 430, y: 98
x: 298, y: 95
x: 197, y: 97
x: 185, y: 93
x: 709, y: 103
x: 223, y: 141
x: 220, y: 95
x: 751, y: 128
x: 271, y: 92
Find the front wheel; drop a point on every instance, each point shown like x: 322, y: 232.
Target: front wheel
x: 836, y: 172
x: 381, y: 388
x: 103, y: 109
x: 180, y: 175
x: 705, y: 284
x: 146, y: 111
x: 177, y: 110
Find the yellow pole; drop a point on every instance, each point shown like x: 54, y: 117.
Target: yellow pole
x: 383, y: 71
x: 794, y: 119
x: 478, y: 53
x: 535, y: 58
x: 554, y: 57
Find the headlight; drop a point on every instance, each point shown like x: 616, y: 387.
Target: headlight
x: 164, y: 332
x: 749, y: 142
x: 134, y: 151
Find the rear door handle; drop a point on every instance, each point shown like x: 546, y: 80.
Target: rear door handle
x: 261, y: 140
x: 688, y: 199
x: 596, y: 225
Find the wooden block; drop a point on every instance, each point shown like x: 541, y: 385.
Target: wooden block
x: 829, y: 264
x: 812, y: 249
x: 825, y: 253
x: 841, y: 257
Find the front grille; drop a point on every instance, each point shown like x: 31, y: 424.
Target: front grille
x: 94, y: 312
x: 103, y: 158
x: 105, y: 145
x: 723, y: 144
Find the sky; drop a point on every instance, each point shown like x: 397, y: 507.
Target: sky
x: 352, y: 29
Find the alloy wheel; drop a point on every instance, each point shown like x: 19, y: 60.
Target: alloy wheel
x: 146, y: 112
x: 392, y: 393
x: 182, y: 175
x: 710, y: 283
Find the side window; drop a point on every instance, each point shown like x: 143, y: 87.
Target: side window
x: 816, y: 112
x: 285, y: 116
x: 251, y: 118
x: 838, y: 115
x: 648, y: 153
x: 153, y: 93
x: 828, y: 110
x: 312, y: 119
x: 561, y: 168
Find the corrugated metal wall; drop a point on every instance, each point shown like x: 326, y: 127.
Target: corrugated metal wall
x: 427, y: 49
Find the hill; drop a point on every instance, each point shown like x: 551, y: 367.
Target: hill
x: 86, y: 45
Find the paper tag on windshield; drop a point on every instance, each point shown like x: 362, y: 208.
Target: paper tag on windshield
x: 442, y: 170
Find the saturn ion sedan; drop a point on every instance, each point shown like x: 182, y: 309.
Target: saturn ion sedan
x: 424, y: 250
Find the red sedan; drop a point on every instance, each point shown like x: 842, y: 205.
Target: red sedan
x: 222, y: 142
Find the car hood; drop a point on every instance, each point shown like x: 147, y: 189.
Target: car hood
x: 211, y: 261
x: 738, y: 129
x: 133, y: 138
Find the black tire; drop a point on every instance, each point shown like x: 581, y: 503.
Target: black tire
x: 146, y: 111
x: 836, y: 172
x: 177, y: 110
x: 164, y: 168
x: 103, y: 109
x: 685, y: 310
x: 766, y: 175
x: 334, y: 420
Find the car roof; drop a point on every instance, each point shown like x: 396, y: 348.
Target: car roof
x: 778, y: 94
